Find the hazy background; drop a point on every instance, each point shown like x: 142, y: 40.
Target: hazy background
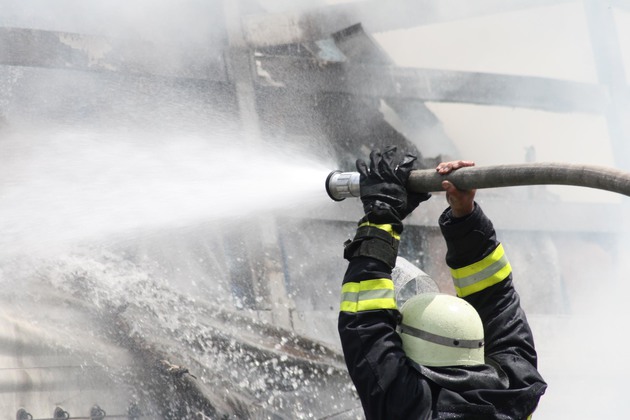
x: 54, y: 175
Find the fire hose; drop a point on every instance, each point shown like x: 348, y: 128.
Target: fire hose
x: 341, y: 185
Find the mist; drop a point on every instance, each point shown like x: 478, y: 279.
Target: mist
x: 134, y: 191
x: 68, y: 187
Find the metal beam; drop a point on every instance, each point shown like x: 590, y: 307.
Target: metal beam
x: 375, y: 15
x: 70, y: 51
x: 359, y: 47
x: 266, y: 253
x: 241, y: 68
x: 26, y: 47
x: 410, y: 117
x: 431, y: 85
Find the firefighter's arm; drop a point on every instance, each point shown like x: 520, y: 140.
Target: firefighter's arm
x: 368, y: 313
x: 482, y: 275
x: 389, y: 388
x: 386, y: 202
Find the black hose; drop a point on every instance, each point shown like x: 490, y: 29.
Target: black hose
x: 549, y: 173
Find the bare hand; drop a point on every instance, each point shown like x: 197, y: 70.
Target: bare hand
x: 448, y: 167
x: 462, y: 202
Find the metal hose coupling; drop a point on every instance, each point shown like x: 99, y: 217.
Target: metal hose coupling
x: 341, y: 185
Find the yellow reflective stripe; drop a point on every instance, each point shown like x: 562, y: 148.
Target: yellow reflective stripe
x: 474, y: 268
x: 480, y: 275
x: 368, y: 295
x: 387, y: 228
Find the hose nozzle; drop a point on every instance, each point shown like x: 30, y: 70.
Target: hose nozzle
x: 341, y: 185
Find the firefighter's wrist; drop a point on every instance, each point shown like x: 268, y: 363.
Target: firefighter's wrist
x: 378, y: 241
x: 459, y: 212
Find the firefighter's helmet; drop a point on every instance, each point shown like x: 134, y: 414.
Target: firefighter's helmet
x: 441, y: 330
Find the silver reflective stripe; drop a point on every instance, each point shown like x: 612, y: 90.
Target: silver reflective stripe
x: 438, y: 339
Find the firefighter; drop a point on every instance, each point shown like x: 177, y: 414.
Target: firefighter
x: 469, y: 356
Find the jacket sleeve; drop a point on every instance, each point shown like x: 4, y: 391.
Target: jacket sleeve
x: 482, y: 276
x: 388, y: 386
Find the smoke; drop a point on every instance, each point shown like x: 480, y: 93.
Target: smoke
x: 503, y: 44
x: 580, y: 341
x: 163, y: 21
x: 584, y: 350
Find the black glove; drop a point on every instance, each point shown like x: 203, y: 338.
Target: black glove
x: 383, y: 187
x: 385, y: 201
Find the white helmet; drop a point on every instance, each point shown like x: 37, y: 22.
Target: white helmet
x: 441, y: 330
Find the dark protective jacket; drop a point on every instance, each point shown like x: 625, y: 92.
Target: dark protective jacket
x: 392, y: 386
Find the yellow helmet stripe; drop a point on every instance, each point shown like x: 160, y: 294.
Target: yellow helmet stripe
x: 387, y: 228
x: 368, y: 295
x: 484, y: 273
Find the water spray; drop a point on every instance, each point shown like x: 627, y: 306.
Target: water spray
x: 341, y: 185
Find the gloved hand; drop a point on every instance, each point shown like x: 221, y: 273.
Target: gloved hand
x: 386, y: 201
x: 383, y: 186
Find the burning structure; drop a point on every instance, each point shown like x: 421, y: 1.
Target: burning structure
x: 222, y: 320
